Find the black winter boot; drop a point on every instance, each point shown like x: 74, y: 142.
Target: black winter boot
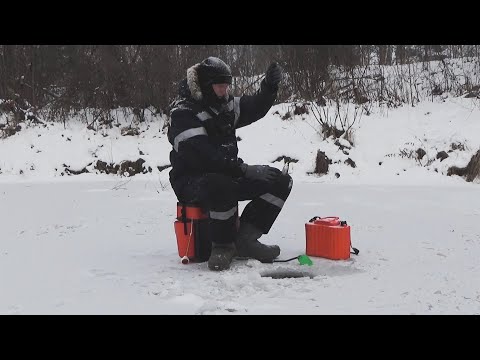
x: 248, y: 245
x: 221, y: 256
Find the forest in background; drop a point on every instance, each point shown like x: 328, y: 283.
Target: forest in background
x: 57, y: 81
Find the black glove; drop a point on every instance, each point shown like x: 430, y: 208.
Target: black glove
x: 260, y: 172
x: 273, y: 76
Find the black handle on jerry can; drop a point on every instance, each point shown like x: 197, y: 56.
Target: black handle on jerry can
x: 314, y: 218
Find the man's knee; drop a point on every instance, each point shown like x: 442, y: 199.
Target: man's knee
x: 289, y: 181
x: 285, y: 184
x: 282, y: 187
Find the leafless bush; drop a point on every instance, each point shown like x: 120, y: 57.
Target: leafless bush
x: 337, y: 119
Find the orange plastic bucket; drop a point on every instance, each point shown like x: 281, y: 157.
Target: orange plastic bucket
x: 188, y: 231
x: 185, y: 241
x: 192, y: 211
x: 328, y: 238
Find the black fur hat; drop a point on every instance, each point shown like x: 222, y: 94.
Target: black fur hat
x: 213, y: 70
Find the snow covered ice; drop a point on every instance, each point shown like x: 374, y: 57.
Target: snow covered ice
x: 104, y: 244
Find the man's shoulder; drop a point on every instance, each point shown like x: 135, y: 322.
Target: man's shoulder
x: 182, y: 105
x: 186, y: 109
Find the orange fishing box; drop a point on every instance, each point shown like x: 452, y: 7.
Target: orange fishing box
x: 328, y: 237
x: 191, y: 230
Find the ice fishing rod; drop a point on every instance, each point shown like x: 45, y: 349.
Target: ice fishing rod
x: 302, y: 259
